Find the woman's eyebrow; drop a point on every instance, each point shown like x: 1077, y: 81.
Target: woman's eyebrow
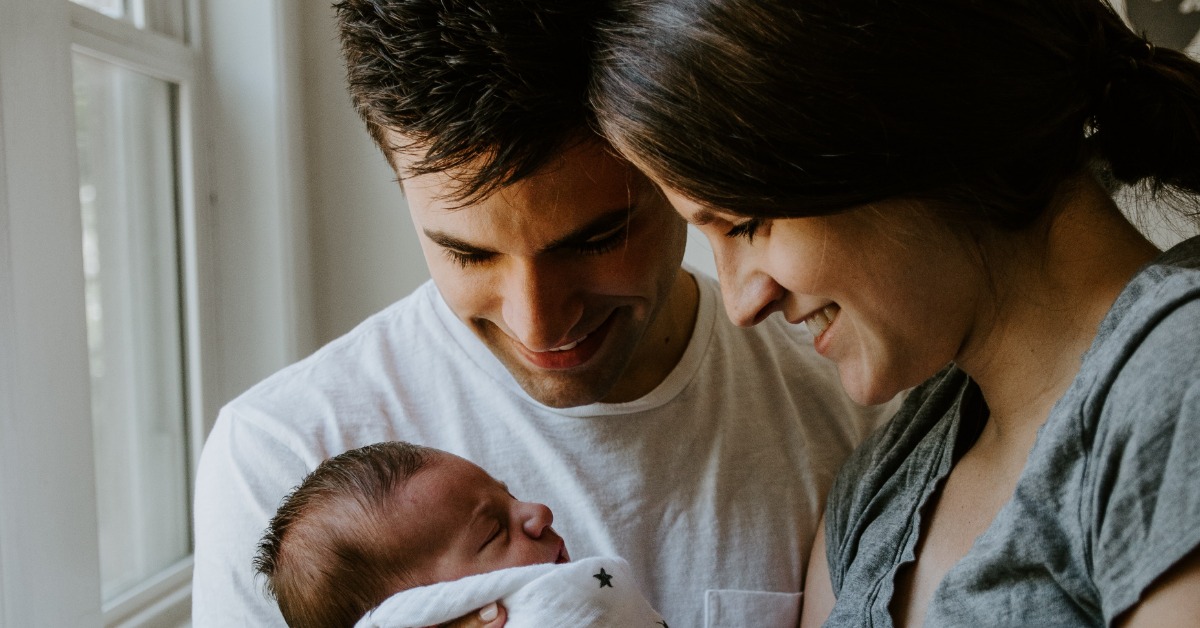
x: 702, y: 217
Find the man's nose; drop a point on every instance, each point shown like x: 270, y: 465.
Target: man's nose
x: 540, y: 305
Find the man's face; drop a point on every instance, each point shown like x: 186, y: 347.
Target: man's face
x: 571, y: 277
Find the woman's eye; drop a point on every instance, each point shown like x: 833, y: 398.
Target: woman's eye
x: 746, y: 229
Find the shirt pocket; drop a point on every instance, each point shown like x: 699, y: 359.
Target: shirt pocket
x: 729, y: 608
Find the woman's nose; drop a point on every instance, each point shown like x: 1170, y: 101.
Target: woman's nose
x: 750, y: 293
x: 535, y: 518
x: 752, y: 298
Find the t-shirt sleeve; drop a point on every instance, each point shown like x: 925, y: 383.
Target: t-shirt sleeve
x: 1144, y: 478
x: 242, y: 477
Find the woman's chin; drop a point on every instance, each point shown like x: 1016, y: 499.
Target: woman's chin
x: 865, y: 390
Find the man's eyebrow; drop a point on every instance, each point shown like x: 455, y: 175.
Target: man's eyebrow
x: 600, y: 225
x: 448, y: 241
x: 603, y: 223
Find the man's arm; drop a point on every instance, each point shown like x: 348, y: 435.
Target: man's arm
x: 242, y: 476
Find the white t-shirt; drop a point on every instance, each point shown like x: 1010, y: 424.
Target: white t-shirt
x: 711, y: 485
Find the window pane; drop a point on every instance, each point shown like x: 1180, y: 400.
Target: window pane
x: 111, y: 8
x: 131, y: 263
x: 161, y: 16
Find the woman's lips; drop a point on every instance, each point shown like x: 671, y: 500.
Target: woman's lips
x: 820, y: 320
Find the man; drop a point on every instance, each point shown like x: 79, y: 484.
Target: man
x: 559, y: 345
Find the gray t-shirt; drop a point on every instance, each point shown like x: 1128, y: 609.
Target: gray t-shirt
x: 1109, y: 500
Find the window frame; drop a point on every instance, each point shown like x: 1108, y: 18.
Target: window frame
x: 120, y: 42
x: 49, y: 548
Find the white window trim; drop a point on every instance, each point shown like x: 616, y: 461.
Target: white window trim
x: 47, y: 519
x: 244, y: 246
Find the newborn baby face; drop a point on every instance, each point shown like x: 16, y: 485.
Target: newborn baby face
x: 461, y: 522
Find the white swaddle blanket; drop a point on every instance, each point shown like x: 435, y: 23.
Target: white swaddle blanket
x: 589, y: 592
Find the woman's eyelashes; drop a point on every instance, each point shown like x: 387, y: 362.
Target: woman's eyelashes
x: 745, y: 229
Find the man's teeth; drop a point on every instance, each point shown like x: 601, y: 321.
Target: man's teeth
x: 819, y: 322
x: 568, y: 347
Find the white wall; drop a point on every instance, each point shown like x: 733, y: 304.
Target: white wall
x: 257, y: 202
x: 365, y: 253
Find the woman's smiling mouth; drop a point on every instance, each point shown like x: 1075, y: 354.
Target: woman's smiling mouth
x: 819, y: 321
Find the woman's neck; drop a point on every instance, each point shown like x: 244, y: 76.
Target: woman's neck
x: 1055, y: 283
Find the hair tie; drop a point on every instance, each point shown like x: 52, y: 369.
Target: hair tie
x: 1125, y: 62
x: 1138, y: 55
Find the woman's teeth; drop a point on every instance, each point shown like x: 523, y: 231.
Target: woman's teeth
x: 568, y: 347
x: 819, y: 322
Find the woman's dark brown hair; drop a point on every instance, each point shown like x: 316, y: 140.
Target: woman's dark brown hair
x: 782, y: 108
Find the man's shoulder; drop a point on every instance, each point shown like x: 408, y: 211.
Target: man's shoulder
x: 359, y: 372
x: 403, y: 326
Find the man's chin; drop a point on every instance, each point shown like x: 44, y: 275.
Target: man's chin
x: 563, y: 394
x: 584, y: 385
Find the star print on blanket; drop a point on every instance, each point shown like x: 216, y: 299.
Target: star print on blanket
x: 605, y: 579
x: 536, y: 596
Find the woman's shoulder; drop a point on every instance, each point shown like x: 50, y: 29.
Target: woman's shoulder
x: 1146, y: 353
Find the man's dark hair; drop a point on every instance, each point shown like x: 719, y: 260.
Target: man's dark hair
x: 492, y: 89
x: 321, y: 553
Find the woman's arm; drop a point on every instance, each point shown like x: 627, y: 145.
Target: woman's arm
x: 1173, y: 599
x: 818, y: 588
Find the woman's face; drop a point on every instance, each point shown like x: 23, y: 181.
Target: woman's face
x: 889, y: 295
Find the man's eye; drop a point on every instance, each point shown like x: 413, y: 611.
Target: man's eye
x: 465, y: 259
x: 745, y: 230
x: 605, y: 242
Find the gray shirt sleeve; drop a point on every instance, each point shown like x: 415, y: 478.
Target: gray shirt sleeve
x: 1140, y: 492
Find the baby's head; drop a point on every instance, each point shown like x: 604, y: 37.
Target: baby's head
x: 388, y: 517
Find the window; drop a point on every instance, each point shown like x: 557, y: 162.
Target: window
x: 100, y: 395
x: 125, y: 128
x: 130, y: 66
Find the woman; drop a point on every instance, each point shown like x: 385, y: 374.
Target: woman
x: 926, y: 186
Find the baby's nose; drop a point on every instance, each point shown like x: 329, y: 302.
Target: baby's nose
x: 536, y: 519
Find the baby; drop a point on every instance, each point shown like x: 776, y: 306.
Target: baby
x: 392, y: 517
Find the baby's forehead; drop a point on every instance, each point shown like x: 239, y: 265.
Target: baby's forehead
x: 450, y: 475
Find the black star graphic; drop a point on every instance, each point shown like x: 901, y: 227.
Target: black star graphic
x: 604, y: 578
x: 663, y: 624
